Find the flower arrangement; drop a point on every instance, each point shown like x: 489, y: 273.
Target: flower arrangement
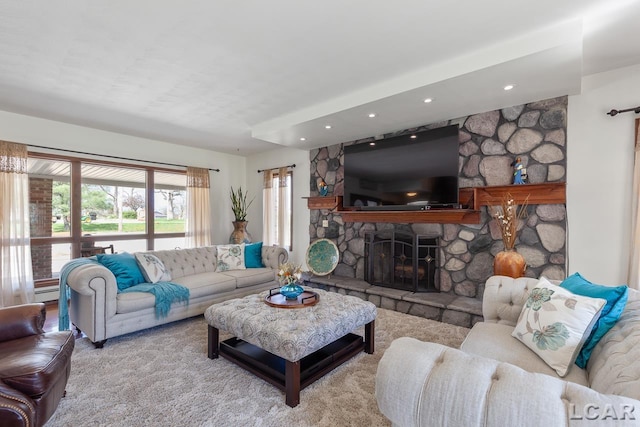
x: 239, y: 204
x: 507, y: 219
x: 289, y: 273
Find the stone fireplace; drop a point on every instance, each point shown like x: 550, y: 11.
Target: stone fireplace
x: 401, y: 260
x: 488, y: 144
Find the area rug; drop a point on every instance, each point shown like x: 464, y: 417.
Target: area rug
x: 162, y: 377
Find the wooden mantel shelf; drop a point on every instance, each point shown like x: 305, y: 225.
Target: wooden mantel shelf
x: 539, y: 194
x: 471, y: 198
x: 437, y: 216
x: 324, y: 202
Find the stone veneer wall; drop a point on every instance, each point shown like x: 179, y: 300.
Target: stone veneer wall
x: 489, y: 142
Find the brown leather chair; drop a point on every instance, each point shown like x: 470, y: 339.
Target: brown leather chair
x: 34, y: 366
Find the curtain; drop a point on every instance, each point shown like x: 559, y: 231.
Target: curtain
x: 198, y: 227
x: 15, y: 247
x: 284, y: 219
x: 634, y: 259
x: 269, y: 207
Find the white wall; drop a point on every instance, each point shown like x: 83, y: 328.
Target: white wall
x: 600, y: 174
x: 273, y: 159
x: 47, y: 133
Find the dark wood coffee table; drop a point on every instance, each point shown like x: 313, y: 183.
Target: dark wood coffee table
x: 291, y: 348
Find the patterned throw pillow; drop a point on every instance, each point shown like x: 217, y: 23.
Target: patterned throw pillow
x: 152, y: 268
x: 554, y: 323
x: 230, y: 257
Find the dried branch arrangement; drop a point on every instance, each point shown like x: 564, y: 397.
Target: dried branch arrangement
x: 507, y: 219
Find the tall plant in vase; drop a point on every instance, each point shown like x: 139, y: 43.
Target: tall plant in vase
x: 509, y: 262
x: 239, y: 206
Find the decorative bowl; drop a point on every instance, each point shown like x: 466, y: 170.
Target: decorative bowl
x: 291, y: 291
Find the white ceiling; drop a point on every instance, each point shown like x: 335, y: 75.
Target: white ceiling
x: 247, y: 76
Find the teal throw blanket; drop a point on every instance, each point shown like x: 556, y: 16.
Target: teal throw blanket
x: 166, y: 293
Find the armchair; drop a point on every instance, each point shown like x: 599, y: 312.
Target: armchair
x: 34, y: 366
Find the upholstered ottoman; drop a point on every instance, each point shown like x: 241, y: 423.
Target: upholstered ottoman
x: 291, y: 347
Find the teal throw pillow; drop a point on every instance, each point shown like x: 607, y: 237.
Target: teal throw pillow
x: 253, y: 255
x: 616, y: 300
x: 124, y: 267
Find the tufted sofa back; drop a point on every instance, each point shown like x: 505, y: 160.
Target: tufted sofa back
x: 614, y: 366
x: 185, y: 262
x: 504, y: 298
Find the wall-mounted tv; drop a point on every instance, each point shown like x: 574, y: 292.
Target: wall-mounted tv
x: 413, y: 171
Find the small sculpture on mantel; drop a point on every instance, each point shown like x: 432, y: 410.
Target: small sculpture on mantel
x: 323, y: 188
x: 519, y: 171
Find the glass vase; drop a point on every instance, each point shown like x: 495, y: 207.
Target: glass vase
x: 291, y: 291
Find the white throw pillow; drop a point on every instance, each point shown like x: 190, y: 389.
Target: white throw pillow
x: 152, y: 268
x: 555, y: 323
x: 230, y: 257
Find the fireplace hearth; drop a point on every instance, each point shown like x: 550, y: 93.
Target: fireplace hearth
x: 401, y: 260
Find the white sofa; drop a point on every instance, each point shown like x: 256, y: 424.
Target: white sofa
x: 98, y: 310
x: 495, y: 380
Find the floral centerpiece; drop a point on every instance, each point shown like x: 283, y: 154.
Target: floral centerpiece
x: 289, y: 275
x: 509, y: 262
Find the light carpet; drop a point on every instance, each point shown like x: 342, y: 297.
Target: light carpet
x: 163, y: 377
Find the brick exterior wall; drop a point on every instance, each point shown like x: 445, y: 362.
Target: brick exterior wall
x: 40, y: 211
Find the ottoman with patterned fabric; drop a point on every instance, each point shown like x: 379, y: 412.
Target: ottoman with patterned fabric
x: 291, y: 347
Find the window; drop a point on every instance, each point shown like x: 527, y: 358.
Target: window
x: 277, y: 213
x: 78, y: 206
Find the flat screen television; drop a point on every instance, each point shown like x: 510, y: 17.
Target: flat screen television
x: 414, y: 171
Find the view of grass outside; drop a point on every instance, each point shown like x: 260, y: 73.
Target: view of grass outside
x: 128, y: 226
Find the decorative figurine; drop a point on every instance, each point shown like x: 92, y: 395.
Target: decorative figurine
x: 519, y: 172
x: 323, y: 189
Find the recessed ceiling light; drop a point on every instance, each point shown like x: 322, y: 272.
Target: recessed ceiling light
x: 327, y: 127
x: 509, y: 87
x: 303, y: 139
x: 372, y: 143
x: 413, y: 137
x: 428, y: 100
x: 372, y: 115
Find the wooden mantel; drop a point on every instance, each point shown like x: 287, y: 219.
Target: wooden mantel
x: 551, y: 193
x: 471, y: 199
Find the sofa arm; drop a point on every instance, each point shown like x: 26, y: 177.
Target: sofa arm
x: 273, y: 256
x: 93, y: 299
x: 424, y: 384
x: 21, y: 321
x: 16, y: 409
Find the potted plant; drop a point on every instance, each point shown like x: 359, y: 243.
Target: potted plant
x: 239, y: 206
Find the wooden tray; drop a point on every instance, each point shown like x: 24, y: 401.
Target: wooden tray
x: 305, y: 299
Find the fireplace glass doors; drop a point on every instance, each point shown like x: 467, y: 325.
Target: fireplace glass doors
x: 402, y: 260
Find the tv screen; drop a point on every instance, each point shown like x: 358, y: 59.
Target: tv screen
x: 414, y: 171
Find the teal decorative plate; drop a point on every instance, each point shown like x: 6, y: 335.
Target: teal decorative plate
x: 322, y: 257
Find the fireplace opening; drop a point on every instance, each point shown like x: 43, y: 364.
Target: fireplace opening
x: 401, y: 260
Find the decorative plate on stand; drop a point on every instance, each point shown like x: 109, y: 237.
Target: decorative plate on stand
x: 322, y: 257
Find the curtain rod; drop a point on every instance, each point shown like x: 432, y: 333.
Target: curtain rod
x: 113, y: 157
x: 616, y: 112
x: 272, y: 169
